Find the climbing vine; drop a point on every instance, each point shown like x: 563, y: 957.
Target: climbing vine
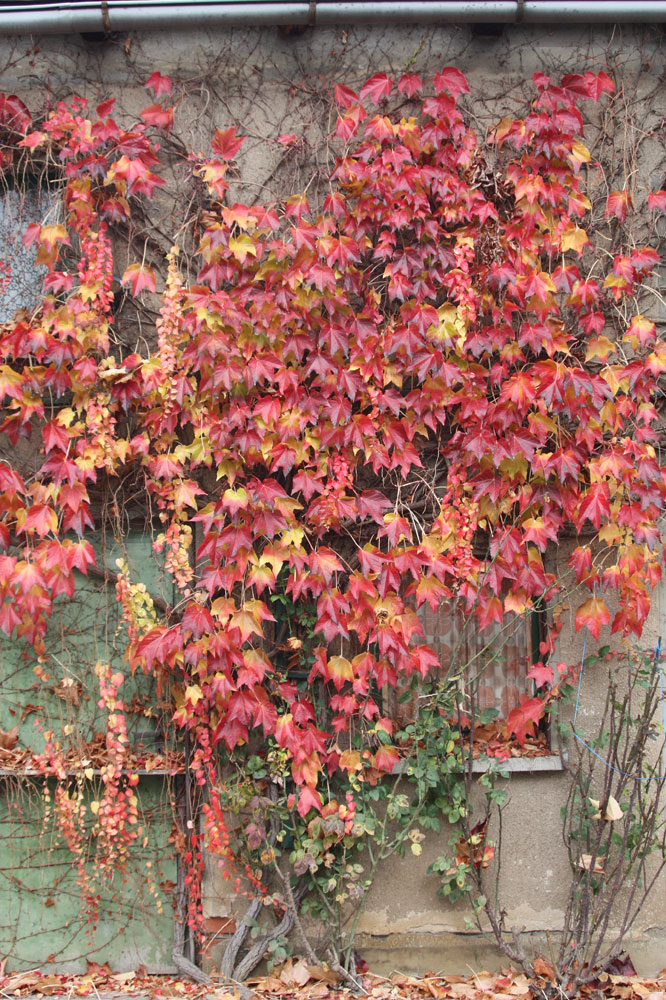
x: 346, y: 411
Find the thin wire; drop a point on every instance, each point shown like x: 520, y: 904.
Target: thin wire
x: 604, y: 761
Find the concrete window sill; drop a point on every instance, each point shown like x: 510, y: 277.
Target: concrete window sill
x: 524, y: 765
x: 514, y: 765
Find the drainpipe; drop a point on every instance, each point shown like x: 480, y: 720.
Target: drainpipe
x: 137, y: 15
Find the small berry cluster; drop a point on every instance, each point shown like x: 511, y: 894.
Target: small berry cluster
x: 340, y: 482
x: 347, y: 813
x: 95, y: 268
x: 5, y: 276
x: 117, y: 812
x: 137, y: 604
x: 169, y: 323
x: 102, y: 436
x: 177, y: 541
x: 459, y: 516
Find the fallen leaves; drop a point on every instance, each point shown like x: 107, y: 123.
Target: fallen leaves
x: 89, y: 758
x: 8, y: 740
x: 297, y: 979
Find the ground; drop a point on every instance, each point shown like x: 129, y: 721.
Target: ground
x: 297, y: 980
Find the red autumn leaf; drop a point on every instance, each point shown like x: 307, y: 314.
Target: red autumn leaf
x: 197, y: 619
x: 40, y: 520
x: 82, y: 556
x: 9, y: 618
x: 642, y: 330
x: 158, y: 646
x: 657, y: 199
x: 136, y: 174
x: 597, y: 84
x: 386, y: 759
x: 372, y: 503
x: 185, y: 493
x: 617, y: 204
x: 581, y: 562
x: 247, y: 623
x: 377, y: 87
x: 345, y: 96
x: 410, y: 84
x: 33, y: 140
x: 540, y: 80
x: 453, y: 80
x: 396, y: 528
x: 541, y: 673
x: 347, y: 125
x: 157, y: 116
x: 325, y: 562
x: 226, y: 143
x: 285, y: 731
x: 490, y: 610
x: 296, y: 207
x: 593, y: 614
x: 644, y: 259
x: 595, y: 505
x: 264, y: 713
x: 11, y: 482
x: 32, y: 234
x: 28, y: 576
x: 139, y: 277
x: 106, y: 107
x: 158, y: 83
x: 430, y: 589
x: 13, y: 113
x: 523, y: 720
x: 339, y: 670
x: 231, y: 730
x: 55, y: 436
x: 308, y: 798
x: 164, y: 466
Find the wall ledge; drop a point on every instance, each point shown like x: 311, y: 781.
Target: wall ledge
x: 522, y: 765
x: 513, y: 765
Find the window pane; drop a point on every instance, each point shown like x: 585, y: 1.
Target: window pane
x: 495, y: 662
x: 20, y: 280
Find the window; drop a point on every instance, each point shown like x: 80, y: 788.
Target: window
x: 20, y: 279
x: 494, y: 664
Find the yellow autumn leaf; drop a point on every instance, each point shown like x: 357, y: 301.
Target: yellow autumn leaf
x: 193, y: 694
x: 574, y: 238
x: 292, y: 537
x: 340, y: 669
x: 610, y: 534
x: 579, y: 154
x: 350, y: 760
x: 599, y: 347
x: 585, y: 863
x: 242, y: 246
x: 613, y: 810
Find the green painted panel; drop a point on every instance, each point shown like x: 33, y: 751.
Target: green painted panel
x: 42, y: 917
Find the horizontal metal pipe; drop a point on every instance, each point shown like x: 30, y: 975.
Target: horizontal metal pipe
x: 136, y: 15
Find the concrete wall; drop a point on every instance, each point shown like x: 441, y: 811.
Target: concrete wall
x: 271, y: 83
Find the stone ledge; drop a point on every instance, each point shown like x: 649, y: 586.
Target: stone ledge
x: 523, y: 765
x: 514, y: 765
